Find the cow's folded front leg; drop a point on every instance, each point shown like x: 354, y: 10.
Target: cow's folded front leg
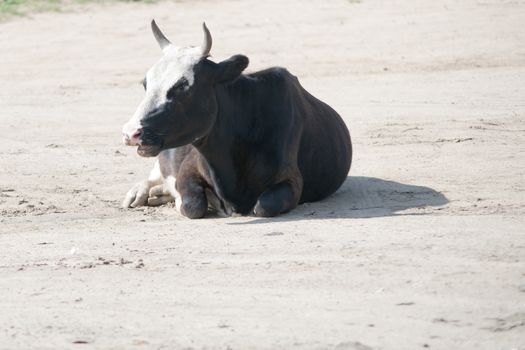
x: 138, y: 195
x: 278, y: 199
x: 190, y: 195
x: 159, y: 195
x: 194, y: 202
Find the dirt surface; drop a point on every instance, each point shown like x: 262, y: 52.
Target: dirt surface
x: 422, y: 247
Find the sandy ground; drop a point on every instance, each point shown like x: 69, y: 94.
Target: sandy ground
x: 422, y: 247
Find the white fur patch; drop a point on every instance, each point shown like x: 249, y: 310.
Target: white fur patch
x: 170, y: 182
x: 155, y: 176
x: 176, y: 63
x: 166, y: 165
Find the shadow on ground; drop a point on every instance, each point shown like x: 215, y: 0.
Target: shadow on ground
x: 365, y: 197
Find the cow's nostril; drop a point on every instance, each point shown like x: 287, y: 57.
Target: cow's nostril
x: 136, y: 134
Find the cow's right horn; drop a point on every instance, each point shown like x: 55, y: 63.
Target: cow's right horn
x: 161, y: 39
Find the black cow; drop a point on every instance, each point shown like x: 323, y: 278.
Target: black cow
x: 241, y: 143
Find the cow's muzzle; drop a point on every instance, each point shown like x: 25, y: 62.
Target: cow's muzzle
x: 131, y: 138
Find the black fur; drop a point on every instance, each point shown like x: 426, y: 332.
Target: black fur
x: 258, y: 140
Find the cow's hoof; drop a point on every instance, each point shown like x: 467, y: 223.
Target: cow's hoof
x: 159, y: 195
x: 157, y: 201
x: 137, y: 196
x: 266, y: 209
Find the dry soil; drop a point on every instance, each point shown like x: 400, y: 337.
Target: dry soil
x: 422, y: 247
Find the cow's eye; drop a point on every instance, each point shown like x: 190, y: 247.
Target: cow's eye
x: 144, y: 83
x: 179, y: 87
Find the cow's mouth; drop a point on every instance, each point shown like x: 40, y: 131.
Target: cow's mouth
x: 148, y: 150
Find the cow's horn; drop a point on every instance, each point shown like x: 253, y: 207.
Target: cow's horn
x: 206, y: 45
x: 161, y: 39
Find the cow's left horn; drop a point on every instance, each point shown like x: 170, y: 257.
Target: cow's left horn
x: 206, y: 45
x: 161, y: 39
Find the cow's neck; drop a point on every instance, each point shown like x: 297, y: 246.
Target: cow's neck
x: 234, y: 118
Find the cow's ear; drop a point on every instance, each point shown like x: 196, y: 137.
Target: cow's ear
x: 231, y: 68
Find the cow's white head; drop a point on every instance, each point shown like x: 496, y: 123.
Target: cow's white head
x: 180, y: 105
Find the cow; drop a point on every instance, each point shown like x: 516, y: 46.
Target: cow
x: 241, y: 144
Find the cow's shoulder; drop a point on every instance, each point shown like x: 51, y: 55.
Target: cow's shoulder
x: 274, y: 76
